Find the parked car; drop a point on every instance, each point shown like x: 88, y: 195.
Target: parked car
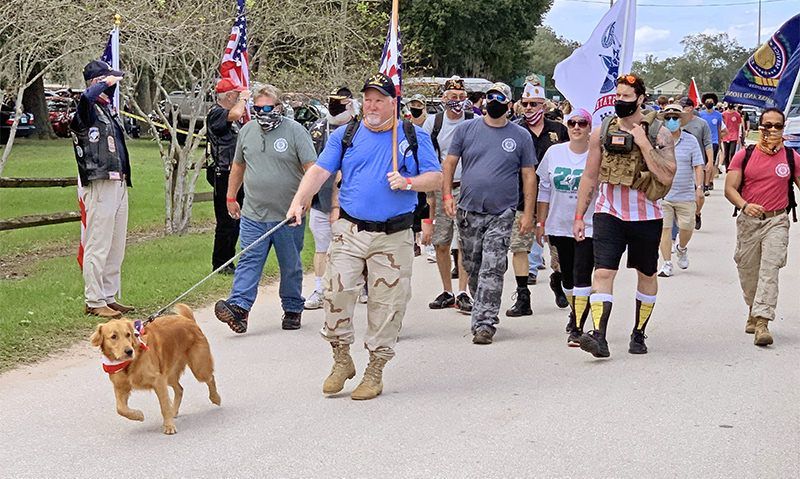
x: 753, y: 114
x: 791, y: 132
x: 7, y: 116
x: 189, y: 106
x: 60, y: 112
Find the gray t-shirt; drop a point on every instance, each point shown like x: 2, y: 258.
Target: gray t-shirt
x: 698, y: 128
x: 445, y: 137
x: 274, y: 162
x: 491, y: 159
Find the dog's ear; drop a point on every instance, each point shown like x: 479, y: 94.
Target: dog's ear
x: 97, y: 336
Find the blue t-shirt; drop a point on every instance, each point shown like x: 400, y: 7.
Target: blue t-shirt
x: 365, y: 193
x: 714, y: 120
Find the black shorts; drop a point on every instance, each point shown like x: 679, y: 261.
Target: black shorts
x: 576, y: 259
x: 612, y: 236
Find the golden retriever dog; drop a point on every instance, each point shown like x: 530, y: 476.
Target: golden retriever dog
x: 155, y: 359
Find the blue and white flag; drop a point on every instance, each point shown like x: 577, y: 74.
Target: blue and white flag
x: 588, y: 77
x: 769, y: 75
x: 111, y: 56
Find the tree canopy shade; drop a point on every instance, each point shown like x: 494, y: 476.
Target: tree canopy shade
x: 481, y: 38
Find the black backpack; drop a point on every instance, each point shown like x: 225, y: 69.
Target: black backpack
x: 438, y: 121
x: 422, y: 210
x: 792, y: 207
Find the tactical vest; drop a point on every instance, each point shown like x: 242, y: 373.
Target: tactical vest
x: 630, y: 169
x: 96, y: 149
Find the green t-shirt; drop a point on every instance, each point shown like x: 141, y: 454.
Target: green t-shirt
x: 274, y: 162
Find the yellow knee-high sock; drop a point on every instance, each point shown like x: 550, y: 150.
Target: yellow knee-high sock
x: 580, y: 304
x: 644, y: 309
x: 601, y: 310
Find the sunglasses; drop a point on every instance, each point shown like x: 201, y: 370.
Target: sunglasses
x: 498, y: 97
x: 263, y: 109
x: 771, y: 126
x: 629, y: 79
x: 580, y: 123
x: 672, y: 117
x: 532, y: 104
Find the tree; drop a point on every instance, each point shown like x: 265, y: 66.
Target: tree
x: 547, y: 50
x: 471, y: 37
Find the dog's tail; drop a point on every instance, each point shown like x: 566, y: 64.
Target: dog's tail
x: 184, y: 311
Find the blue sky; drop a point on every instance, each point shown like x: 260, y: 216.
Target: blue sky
x: 659, y: 30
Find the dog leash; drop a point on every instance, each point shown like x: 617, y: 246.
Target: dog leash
x: 259, y: 240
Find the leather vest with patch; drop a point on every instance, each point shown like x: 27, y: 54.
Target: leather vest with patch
x: 96, y: 149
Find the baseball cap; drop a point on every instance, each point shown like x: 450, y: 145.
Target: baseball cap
x: 419, y: 98
x: 382, y: 83
x: 455, y: 82
x: 341, y: 93
x: 502, y: 88
x: 226, y: 84
x: 99, y: 68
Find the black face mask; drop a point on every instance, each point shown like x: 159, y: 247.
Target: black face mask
x: 336, y: 107
x: 624, y: 109
x: 416, y: 112
x: 110, y: 90
x: 709, y: 104
x: 496, y: 110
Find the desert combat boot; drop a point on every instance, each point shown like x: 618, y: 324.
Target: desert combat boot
x: 763, y: 337
x: 343, y: 369
x: 372, y: 383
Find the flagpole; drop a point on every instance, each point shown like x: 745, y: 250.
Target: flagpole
x: 395, y: 23
x: 622, y: 51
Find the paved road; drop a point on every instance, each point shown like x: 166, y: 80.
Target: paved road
x: 704, y: 403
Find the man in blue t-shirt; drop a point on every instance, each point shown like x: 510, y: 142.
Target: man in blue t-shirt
x: 375, y: 213
x: 494, y: 154
x: 717, y: 127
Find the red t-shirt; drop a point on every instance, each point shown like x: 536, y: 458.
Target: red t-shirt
x: 732, y: 121
x: 766, y: 180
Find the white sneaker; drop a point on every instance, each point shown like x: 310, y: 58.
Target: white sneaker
x: 683, y: 257
x: 314, y: 301
x: 430, y: 251
x: 666, y: 269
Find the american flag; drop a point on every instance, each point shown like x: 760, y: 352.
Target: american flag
x: 234, y: 61
x: 392, y: 57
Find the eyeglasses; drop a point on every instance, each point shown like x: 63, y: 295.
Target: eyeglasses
x: 771, y: 126
x: 263, y: 109
x: 580, y: 123
x: 531, y: 104
x: 498, y: 97
x: 672, y: 117
x: 629, y: 79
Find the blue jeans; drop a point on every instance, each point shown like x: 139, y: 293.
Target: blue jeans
x: 288, y: 242
x: 535, y: 259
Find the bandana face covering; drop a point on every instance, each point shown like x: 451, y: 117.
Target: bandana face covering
x: 269, y: 120
x: 385, y: 126
x: 533, y: 118
x: 770, y: 141
x: 455, y: 106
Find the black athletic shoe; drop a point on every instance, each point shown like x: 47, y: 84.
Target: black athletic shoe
x: 464, y: 303
x: 592, y: 342
x: 444, y: 300
x: 482, y: 336
x: 531, y: 279
x: 291, y: 320
x: 697, y: 222
x: 522, y: 305
x: 454, y: 273
x: 574, y: 339
x: 558, y: 291
x: 637, y: 345
x: 230, y: 269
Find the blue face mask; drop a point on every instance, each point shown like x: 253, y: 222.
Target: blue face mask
x: 672, y: 124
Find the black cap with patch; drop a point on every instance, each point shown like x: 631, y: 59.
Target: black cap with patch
x: 382, y: 83
x: 99, y: 68
x: 341, y: 94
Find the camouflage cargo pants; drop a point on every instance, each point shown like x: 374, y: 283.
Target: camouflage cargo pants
x: 484, y: 251
x: 388, y: 260
x: 761, y: 250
